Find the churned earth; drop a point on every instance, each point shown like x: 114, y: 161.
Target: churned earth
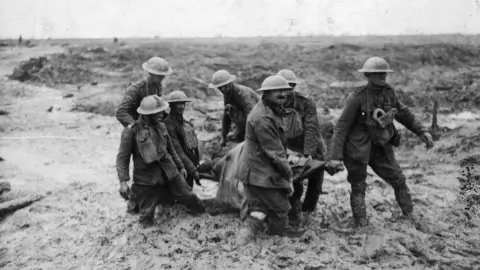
x: 53, y: 148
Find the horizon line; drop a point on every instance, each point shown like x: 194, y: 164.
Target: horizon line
x: 248, y: 37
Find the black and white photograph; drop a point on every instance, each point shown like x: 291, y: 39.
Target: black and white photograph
x: 240, y: 134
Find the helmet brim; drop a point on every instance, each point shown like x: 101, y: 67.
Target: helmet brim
x: 156, y: 72
x: 179, y: 100
x: 154, y: 111
x: 375, y: 70
x: 231, y: 79
x: 263, y: 89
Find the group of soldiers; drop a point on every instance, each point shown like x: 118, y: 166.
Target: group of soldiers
x: 165, y: 152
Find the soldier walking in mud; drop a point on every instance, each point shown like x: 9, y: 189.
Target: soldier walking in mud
x: 365, y: 135
x: 263, y: 165
x: 157, y: 68
x: 304, y: 137
x: 158, y: 173
x: 239, y: 101
x: 183, y: 136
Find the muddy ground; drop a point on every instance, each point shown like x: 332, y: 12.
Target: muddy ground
x: 64, y: 147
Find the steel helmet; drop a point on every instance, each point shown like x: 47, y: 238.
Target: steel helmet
x: 274, y: 82
x: 288, y: 75
x: 375, y: 64
x: 152, y: 104
x: 221, y: 78
x: 157, y: 66
x: 177, y: 96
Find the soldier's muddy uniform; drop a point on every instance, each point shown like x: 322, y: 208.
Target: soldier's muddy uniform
x: 127, y: 110
x: 185, y: 143
x: 156, y: 177
x: 307, y: 140
x: 354, y: 142
x: 239, y: 101
x: 263, y: 165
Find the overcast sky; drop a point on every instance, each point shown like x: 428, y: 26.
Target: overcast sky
x: 208, y: 18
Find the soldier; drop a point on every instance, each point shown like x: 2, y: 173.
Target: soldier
x: 183, y: 135
x: 362, y: 136
x: 263, y: 166
x: 158, y: 172
x: 239, y: 101
x: 305, y: 139
x: 156, y: 68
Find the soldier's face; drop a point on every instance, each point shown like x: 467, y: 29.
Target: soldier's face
x: 377, y: 78
x: 153, y: 78
x: 290, y: 93
x: 277, y: 96
x: 224, y: 88
x: 158, y: 117
x: 179, y: 107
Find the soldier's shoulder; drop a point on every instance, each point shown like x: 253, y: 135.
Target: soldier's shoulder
x: 129, y: 129
x: 303, y: 96
x: 245, y: 88
x: 358, y: 91
x: 257, y: 110
x: 131, y: 125
x: 137, y: 85
x: 390, y: 88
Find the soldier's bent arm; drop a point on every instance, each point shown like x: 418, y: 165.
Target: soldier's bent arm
x: 312, y: 138
x: 174, y: 154
x: 179, y: 149
x: 124, y: 153
x: 271, y: 145
x: 129, y: 100
x: 248, y: 102
x: 226, y: 123
x: 343, y: 126
x: 405, y: 117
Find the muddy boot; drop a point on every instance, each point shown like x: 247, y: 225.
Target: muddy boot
x: 132, y: 206
x: 278, y: 226
x: 193, y: 204
x: 359, y: 209
x: 295, y: 217
x: 146, y: 219
x: 248, y: 231
x: 293, y: 232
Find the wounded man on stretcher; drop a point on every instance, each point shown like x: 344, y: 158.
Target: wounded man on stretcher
x: 230, y: 194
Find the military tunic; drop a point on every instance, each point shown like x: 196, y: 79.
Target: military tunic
x: 241, y: 99
x: 263, y: 166
x: 185, y: 143
x: 308, y: 141
x: 127, y: 110
x: 156, y: 165
x: 352, y: 143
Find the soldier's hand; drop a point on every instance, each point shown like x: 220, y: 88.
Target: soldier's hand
x: 334, y: 166
x: 293, y: 159
x: 183, y: 172
x: 196, y: 177
x: 427, y: 139
x: 290, y: 188
x: 223, y: 143
x: 124, y: 190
